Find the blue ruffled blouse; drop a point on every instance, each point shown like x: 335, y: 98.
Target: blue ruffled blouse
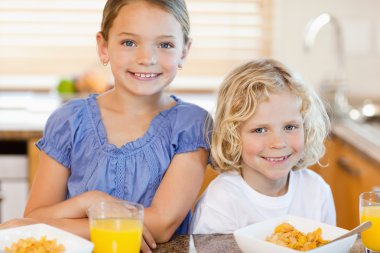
x: 75, y: 137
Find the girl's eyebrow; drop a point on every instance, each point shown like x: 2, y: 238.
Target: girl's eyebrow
x: 135, y: 35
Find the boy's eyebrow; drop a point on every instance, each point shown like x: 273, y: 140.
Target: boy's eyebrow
x: 266, y: 124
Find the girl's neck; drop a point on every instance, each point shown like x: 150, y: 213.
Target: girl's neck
x: 127, y: 103
x: 261, y: 184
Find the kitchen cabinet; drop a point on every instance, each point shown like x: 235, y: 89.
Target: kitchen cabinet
x: 349, y: 172
x: 13, y: 186
x: 32, y: 153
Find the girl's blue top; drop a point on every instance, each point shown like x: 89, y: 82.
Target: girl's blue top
x: 75, y: 137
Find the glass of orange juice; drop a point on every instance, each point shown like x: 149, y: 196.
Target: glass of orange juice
x: 116, y: 226
x: 369, y: 207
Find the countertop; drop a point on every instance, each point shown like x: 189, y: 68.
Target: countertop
x: 365, y: 137
x: 215, y: 244
x: 24, y: 115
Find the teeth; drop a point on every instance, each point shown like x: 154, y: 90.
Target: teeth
x: 276, y: 159
x: 145, y: 75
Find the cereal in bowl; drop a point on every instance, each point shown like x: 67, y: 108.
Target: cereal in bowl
x: 31, y: 245
x: 286, y: 235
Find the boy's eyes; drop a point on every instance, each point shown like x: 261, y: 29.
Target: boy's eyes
x: 261, y: 130
x: 291, y: 127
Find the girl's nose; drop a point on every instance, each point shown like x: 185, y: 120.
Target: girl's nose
x: 146, y: 56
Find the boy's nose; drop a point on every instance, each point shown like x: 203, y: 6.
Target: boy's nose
x: 146, y: 56
x: 278, y: 141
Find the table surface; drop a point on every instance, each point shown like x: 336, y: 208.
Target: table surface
x: 214, y: 243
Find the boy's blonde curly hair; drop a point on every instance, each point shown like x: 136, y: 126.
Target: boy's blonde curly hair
x: 240, y: 95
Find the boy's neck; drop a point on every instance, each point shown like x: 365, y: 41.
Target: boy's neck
x: 265, y: 186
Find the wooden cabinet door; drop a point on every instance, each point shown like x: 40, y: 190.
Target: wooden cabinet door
x: 359, y: 174
x: 348, y: 173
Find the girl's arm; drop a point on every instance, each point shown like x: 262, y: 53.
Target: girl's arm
x: 176, y: 194
x: 173, y: 199
x: 47, y: 202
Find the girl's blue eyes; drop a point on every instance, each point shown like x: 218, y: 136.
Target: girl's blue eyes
x: 166, y: 45
x: 130, y: 43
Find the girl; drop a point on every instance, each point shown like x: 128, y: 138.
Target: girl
x: 133, y: 142
x: 268, y: 128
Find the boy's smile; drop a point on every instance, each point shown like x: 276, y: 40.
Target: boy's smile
x: 272, y: 142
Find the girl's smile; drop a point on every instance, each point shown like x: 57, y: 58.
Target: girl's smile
x: 144, y: 76
x: 145, y: 47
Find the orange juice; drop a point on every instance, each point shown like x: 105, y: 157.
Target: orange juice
x: 116, y: 235
x: 371, y: 237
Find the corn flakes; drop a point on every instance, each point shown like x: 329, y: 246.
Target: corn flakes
x: 31, y: 245
x: 286, y: 235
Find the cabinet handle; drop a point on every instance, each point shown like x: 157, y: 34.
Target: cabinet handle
x: 345, y: 166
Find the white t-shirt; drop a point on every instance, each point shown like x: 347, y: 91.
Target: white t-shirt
x: 229, y: 203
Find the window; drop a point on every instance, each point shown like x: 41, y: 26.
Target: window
x: 42, y: 41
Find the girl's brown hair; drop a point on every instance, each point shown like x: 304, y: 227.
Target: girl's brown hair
x: 175, y: 7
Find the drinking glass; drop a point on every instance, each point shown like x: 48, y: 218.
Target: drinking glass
x: 116, y: 226
x: 369, y: 207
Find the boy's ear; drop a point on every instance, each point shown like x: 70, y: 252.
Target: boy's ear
x: 185, y: 51
x: 102, y: 48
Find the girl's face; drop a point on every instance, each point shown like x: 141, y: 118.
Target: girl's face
x: 273, y: 142
x: 145, y: 48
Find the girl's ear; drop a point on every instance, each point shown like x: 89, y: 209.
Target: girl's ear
x: 185, y: 51
x: 102, y: 48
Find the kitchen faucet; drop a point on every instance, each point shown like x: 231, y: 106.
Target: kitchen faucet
x: 312, y: 31
x: 333, y: 91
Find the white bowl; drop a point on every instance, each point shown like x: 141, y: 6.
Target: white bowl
x: 251, y: 239
x: 71, y: 242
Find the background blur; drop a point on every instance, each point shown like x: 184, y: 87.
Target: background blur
x: 43, y: 41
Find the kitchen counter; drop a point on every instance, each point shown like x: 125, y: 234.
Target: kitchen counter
x: 365, y: 137
x: 23, y: 116
x: 215, y: 243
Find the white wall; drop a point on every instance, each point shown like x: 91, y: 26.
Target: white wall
x: 360, y: 23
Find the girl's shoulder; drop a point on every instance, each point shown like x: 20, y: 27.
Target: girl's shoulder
x: 72, y: 111
x: 186, y: 111
x: 71, y: 107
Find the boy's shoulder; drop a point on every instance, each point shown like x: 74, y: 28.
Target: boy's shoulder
x: 226, y: 182
x: 307, y: 173
x: 309, y: 177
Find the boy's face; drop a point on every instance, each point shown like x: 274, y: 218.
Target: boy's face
x: 145, y: 47
x: 273, y: 142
